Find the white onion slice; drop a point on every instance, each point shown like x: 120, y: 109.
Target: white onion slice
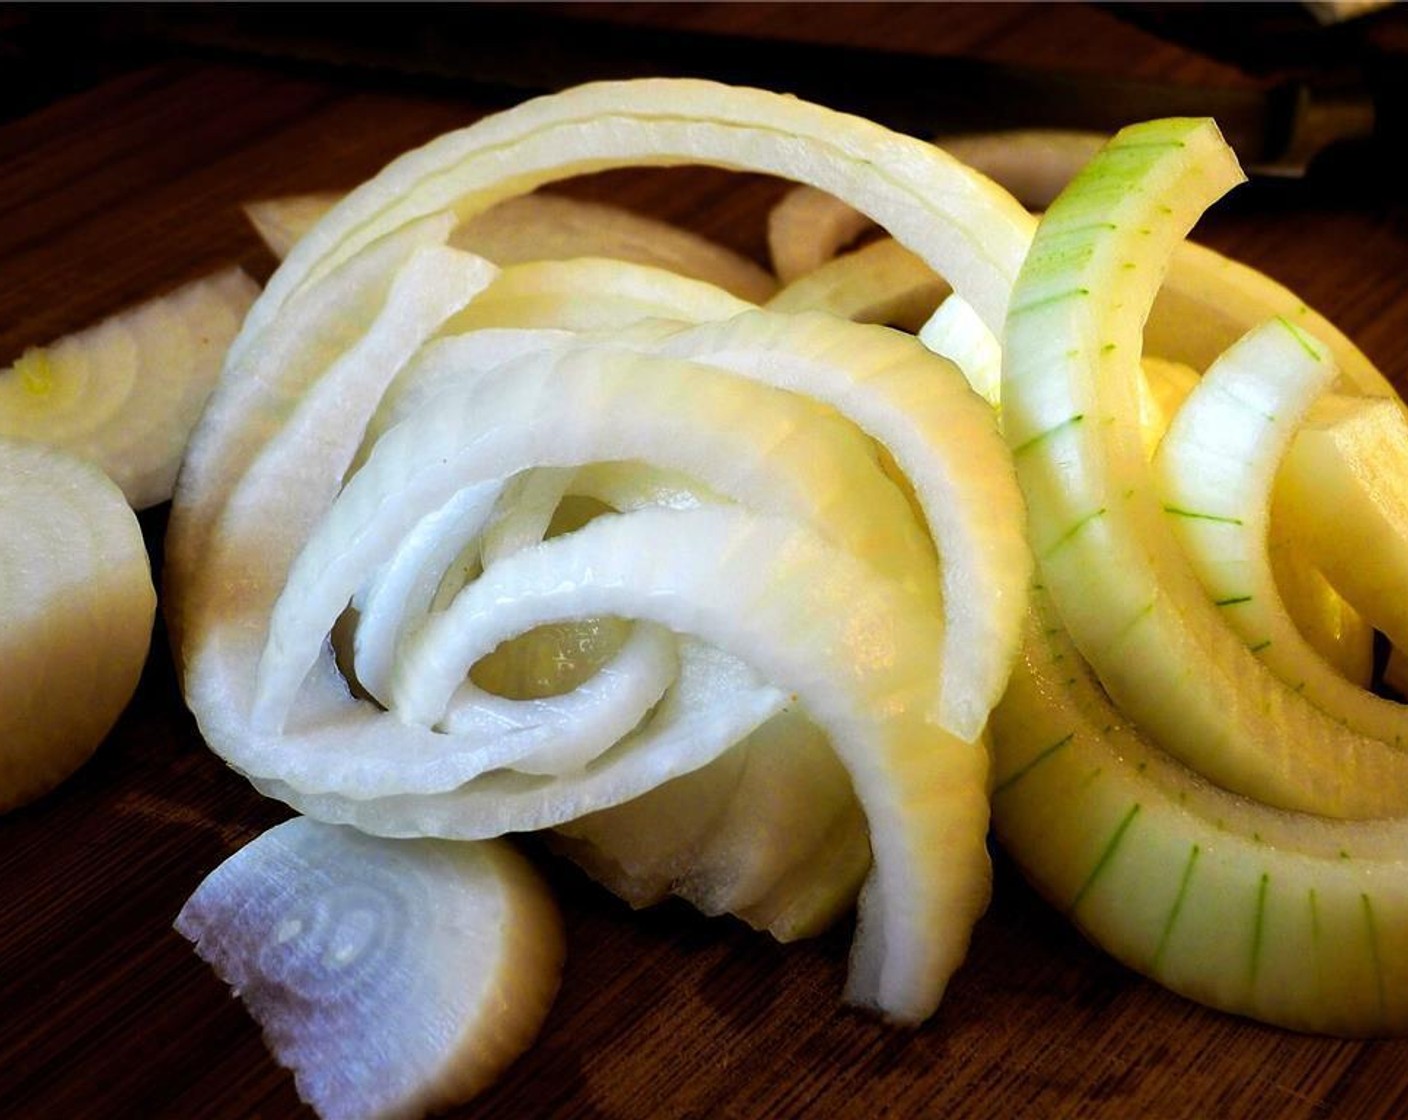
x: 253, y: 398
x: 796, y: 565
x: 539, y: 227
x: 964, y: 226
x: 943, y: 438
x: 394, y: 978
x: 126, y: 393
x: 76, y: 609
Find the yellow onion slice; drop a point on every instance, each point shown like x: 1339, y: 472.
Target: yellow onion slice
x: 882, y: 282
x: 1351, y: 456
x: 1216, y: 467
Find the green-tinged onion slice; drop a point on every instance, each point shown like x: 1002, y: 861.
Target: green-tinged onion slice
x: 1289, y: 918
x: 1098, y: 528
x: 1216, y: 467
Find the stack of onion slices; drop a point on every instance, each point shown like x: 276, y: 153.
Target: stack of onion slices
x: 788, y: 515
x: 462, y: 550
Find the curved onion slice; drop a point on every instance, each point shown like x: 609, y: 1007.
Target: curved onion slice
x: 1070, y: 413
x: 939, y: 435
x: 77, y: 600
x: 943, y: 440
x: 393, y: 977
x: 808, y: 227
x: 1335, y: 629
x: 568, y: 410
x: 1290, y: 918
x: 955, y: 331
x: 539, y: 227
x: 1215, y: 468
x: 1320, y: 615
x: 1206, y: 303
x: 849, y: 647
x: 882, y: 282
x: 749, y: 589
x: 252, y: 401
x: 1209, y: 301
x: 769, y: 831
x: 125, y: 394
x: 963, y: 225
x: 1352, y: 457
x: 592, y: 294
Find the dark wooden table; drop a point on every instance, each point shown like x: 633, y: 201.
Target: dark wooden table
x: 115, y: 191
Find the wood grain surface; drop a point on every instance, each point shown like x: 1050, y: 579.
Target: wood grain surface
x: 116, y: 188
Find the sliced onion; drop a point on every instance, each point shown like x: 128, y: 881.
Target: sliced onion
x: 126, y: 393
x: 394, y: 978
x: 77, y: 603
x: 1097, y: 525
x: 963, y: 225
x: 794, y: 568
x: 1216, y: 467
x: 1289, y: 918
x: 882, y: 282
x: 1352, y: 457
x: 540, y: 227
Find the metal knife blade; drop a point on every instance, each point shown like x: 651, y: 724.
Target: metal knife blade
x: 516, y: 50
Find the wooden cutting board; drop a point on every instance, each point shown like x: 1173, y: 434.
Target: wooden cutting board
x: 111, y: 195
